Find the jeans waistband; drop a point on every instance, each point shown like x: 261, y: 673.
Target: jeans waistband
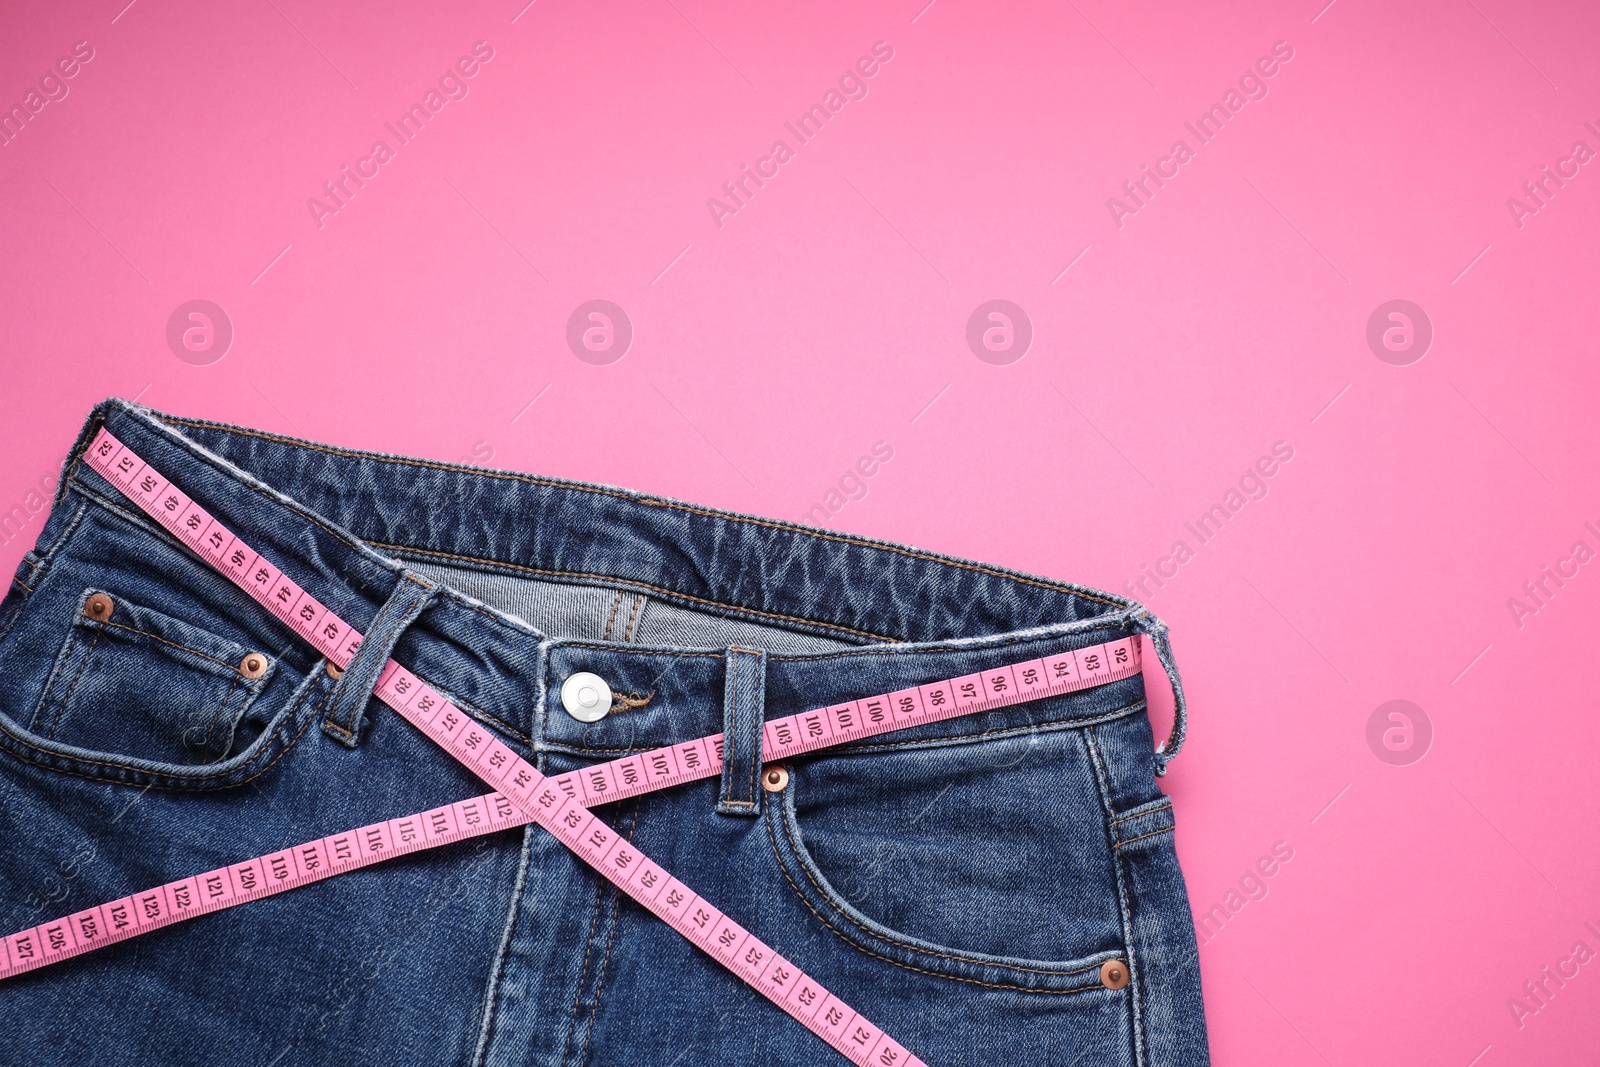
x: 350, y: 525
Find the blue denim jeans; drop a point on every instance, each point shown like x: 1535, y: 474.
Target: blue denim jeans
x: 961, y: 883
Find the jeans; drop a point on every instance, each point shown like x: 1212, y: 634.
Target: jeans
x: 961, y: 883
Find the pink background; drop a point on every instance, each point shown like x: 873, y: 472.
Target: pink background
x: 830, y: 312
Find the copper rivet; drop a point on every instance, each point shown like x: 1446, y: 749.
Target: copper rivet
x: 99, y: 606
x: 775, y: 779
x: 333, y: 670
x: 1113, y: 974
x: 254, y: 665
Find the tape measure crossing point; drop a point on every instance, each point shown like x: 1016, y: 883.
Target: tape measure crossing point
x: 523, y: 794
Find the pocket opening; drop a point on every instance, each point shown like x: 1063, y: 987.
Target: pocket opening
x: 132, y: 680
x: 1074, y: 970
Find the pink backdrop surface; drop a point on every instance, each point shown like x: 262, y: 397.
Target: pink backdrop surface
x: 1430, y: 537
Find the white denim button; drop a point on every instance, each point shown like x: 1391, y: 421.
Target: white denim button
x: 586, y: 697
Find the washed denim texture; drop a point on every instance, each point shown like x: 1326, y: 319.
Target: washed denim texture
x: 960, y: 883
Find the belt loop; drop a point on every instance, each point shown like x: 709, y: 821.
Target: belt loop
x: 348, y: 701
x: 744, y: 699
x: 1156, y: 630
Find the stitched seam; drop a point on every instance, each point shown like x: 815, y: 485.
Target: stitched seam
x: 758, y: 726
x: 233, y: 668
x: 629, y: 701
x: 538, y: 722
x: 663, y: 590
x: 540, y: 714
x: 217, y: 714
x: 583, y: 971
x: 77, y: 457
x: 1141, y: 837
x: 788, y: 832
x: 68, y: 529
x: 856, y: 748
x: 177, y: 788
x: 650, y: 501
x: 476, y: 712
x: 633, y: 618
x: 393, y: 629
x: 733, y: 730
x: 1004, y: 642
x: 740, y: 715
x: 611, y: 940
x: 144, y: 522
x: 600, y: 981
x: 345, y: 733
x: 22, y: 583
x: 521, y: 626
x: 1134, y: 963
x: 507, y: 727
x: 49, y: 554
x: 613, y: 648
x: 491, y: 1009
x: 1141, y: 814
x: 8, y: 623
x: 60, y: 663
x: 139, y: 770
x: 612, y: 617
x: 755, y: 754
x: 385, y: 639
x: 919, y: 970
x: 61, y: 708
x: 233, y: 478
x: 328, y: 724
x: 360, y: 702
x: 1051, y: 726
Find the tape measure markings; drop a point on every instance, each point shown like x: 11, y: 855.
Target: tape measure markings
x: 264, y: 876
x: 808, y: 731
x: 756, y: 963
x: 558, y: 804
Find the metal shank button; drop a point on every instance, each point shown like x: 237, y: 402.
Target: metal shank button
x: 586, y: 697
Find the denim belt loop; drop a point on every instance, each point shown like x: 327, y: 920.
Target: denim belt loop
x: 744, y: 698
x: 412, y: 595
x: 1156, y: 630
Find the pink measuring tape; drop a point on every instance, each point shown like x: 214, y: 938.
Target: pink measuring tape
x: 558, y: 804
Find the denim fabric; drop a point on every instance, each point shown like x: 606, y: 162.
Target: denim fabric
x: 959, y: 883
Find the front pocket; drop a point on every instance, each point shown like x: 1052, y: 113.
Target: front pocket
x: 132, y: 681
x: 985, y: 862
